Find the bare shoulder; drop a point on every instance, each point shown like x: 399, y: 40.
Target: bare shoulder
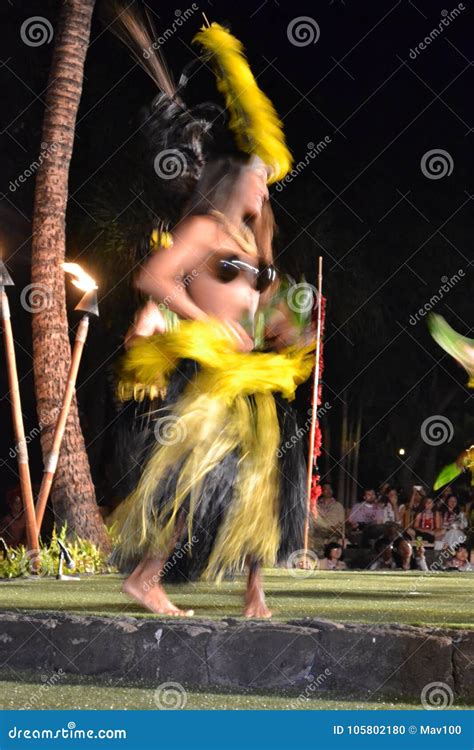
x: 206, y: 227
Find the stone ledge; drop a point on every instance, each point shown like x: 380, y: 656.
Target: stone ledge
x: 356, y: 660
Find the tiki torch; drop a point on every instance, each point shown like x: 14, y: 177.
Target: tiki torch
x: 18, y: 427
x: 314, y: 415
x: 88, y: 305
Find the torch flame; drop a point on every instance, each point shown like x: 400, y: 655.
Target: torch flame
x: 82, y: 280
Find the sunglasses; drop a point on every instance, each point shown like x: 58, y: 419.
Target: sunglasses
x: 261, y: 277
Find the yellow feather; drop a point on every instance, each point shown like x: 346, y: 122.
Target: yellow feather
x: 253, y: 119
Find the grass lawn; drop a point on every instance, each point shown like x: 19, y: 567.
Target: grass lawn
x: 84, y: 695
x: 439, y: 600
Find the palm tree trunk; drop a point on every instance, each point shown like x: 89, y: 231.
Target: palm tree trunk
x: 73, y: 494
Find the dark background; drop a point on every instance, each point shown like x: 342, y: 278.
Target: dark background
x: 387, y: 233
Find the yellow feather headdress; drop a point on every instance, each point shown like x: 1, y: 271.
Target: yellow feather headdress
x: 253, y: 119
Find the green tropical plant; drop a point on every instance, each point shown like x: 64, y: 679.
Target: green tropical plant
x: 87, y: 556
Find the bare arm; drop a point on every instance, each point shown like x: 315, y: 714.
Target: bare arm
x: 170, y: 271
x: 164, y: 276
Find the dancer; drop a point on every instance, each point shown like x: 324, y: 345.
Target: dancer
x: 216, y: 493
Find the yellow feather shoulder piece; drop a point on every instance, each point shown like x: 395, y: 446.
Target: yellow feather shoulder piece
x: 253, y: 119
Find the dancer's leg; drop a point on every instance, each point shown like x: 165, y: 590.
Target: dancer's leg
x: 255, y: 605
x: 144, y: 584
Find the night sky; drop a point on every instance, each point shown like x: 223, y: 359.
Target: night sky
x: 389, y: 226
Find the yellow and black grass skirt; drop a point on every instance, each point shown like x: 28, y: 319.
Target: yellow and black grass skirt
x: 225, y: 478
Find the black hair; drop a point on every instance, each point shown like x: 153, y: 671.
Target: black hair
x: 381, y: 544
x: 330, y: 546
x: 215, y: 186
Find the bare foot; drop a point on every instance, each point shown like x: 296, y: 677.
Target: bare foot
x: 154, y: 599
x: 255, y: 605
x: 257, y: 609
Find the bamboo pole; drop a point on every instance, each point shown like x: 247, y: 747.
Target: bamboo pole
x: 314, y: 415
x: 52, y: 461
x: 19, y: 432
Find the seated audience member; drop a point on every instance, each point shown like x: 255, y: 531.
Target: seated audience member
x: 384, y: 489
x: 388, y: 505
x: 445, y: 493
x: 367, y: 518
x: 427, y: 521
x: 453, y: 523
x: 328, y: 526
x: 396, y: 552
x: 13, y: 523
x: 332, y: 557
x: 460, y: 560
x: 409, y: 511
x: 383, y: 549
x: 402, y: 552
